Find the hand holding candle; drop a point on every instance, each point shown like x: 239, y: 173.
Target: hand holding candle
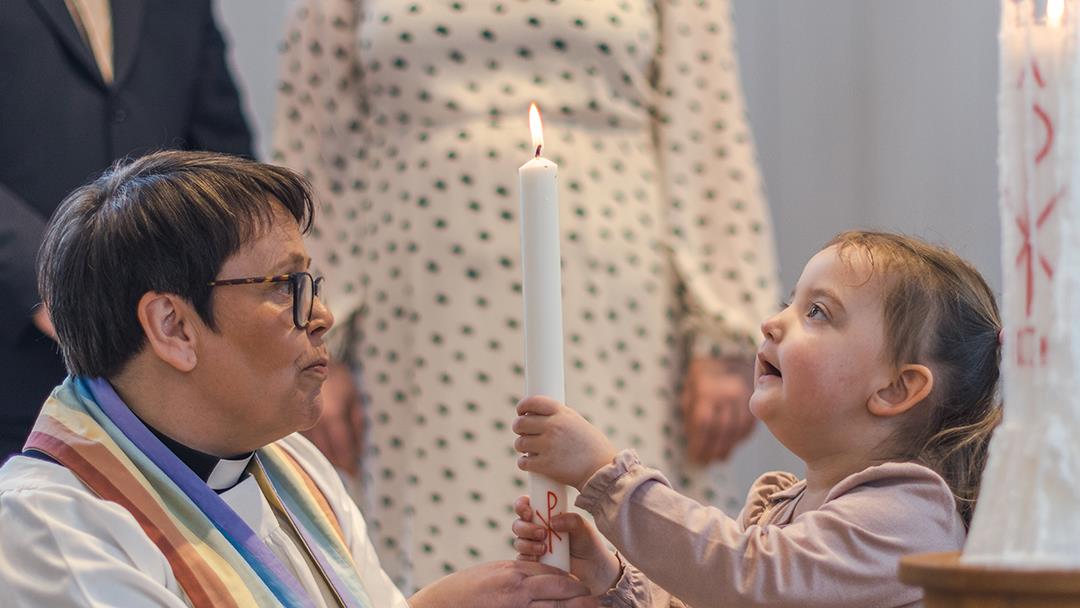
x: 542, y: 292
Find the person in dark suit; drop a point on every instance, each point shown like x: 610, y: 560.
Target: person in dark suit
x: 87, y: 82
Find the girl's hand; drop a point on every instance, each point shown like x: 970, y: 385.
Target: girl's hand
x: 557, y: 442
x: 590, y: 560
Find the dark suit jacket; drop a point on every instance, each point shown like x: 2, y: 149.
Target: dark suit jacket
x: 61, y: 125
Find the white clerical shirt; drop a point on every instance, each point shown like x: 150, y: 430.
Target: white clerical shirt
x: 61, y: 545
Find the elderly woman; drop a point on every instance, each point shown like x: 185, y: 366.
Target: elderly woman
x: 166, y: 470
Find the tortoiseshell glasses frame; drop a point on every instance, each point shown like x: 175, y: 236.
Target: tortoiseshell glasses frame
x: 305, y: 288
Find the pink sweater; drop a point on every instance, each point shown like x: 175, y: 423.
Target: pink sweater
x: 845, y: 553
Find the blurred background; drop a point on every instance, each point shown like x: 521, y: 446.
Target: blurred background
x: 866, y: 113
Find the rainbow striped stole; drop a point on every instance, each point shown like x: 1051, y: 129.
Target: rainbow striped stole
x: 216, y: 558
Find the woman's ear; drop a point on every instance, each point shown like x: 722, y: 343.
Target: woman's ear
x: 908, y: 388
x: 168, y: 322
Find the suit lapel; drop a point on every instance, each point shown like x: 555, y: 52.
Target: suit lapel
x: 55, y: 13
x: 127, y: 18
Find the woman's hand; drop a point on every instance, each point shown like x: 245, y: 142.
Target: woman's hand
x: 590, y: 560
x: 716, y: 407
x: 504, y: 584
x: 557, y: 442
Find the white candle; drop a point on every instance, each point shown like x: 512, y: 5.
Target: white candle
x: 542, y: 292
x: 1026, y: 514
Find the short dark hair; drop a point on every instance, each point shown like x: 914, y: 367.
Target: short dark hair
x: 164, y: 222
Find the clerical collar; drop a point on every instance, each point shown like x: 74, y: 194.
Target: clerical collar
x: 218, y: 473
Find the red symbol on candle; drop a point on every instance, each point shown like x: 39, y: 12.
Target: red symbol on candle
x: 1035, y: 70
x: 1026, y: 341
x: 552, y: 502
x: 1040, y: 113
x: 1027, y: 254
x: 1049, y: 126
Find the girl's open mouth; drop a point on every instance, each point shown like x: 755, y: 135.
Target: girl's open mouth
x: 768, y: 369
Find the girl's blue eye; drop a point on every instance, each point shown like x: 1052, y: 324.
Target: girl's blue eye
x: 816, y: 312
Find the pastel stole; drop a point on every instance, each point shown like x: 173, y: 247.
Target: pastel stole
x: 181, y: 533
x: 152, y: 455
x: 306, y: 505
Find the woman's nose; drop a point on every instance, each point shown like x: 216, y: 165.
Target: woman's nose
x: 321, y: 317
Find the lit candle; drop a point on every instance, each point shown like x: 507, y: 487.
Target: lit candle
x: 1026, y: 514
x: 542, y: 292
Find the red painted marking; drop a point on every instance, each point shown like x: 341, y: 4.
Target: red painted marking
x: 1049, y: 133
x: 1050, y: 205
x: 552, y: 502
x: 1047, y: 268
x: 1026, y: 255
x: 1028, y: 344
x: 1038, y: 75
x: 1022, y: 225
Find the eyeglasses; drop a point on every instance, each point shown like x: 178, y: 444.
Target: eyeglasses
x: 305, y: 288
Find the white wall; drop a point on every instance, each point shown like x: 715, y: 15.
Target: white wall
x: 875, y: 114
x: 254, y: 29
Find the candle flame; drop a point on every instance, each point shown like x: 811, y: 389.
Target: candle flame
x: 537, y: 128
x: 1055, y: 10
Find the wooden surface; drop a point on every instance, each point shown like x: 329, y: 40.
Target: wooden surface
x: 951, y: 584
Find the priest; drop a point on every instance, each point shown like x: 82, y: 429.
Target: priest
x: 167, y: 470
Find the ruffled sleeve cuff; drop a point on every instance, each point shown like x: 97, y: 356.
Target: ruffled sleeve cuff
x: 632, y: 590
x: 613, y: 484
x: 600, y: 484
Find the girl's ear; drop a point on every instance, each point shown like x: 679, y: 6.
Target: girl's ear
x: 911, y: 385
x: 166, y: 320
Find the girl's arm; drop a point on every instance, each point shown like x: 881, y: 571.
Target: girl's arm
x: 844, y: 554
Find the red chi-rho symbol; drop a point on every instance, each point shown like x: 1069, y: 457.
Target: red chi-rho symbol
x: 552, y: 502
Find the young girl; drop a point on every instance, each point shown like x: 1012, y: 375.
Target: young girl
x: 881, y: 375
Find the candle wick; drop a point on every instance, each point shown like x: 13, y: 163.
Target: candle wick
x: 538, y: 146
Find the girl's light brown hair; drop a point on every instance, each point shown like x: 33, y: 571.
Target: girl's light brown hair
x: 939, y: 312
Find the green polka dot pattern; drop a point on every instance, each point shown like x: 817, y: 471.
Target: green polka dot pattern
x: 411, y: 120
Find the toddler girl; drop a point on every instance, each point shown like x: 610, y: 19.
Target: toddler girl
x: 881, y: 375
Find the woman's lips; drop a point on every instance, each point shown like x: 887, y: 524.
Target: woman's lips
x: 319, y: 367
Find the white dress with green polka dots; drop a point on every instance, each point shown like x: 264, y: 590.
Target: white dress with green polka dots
x: 411, y: 120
